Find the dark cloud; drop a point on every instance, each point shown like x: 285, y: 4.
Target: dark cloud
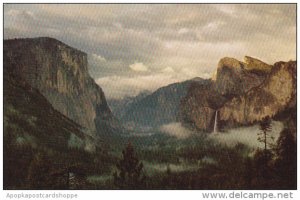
x: 189, y: 38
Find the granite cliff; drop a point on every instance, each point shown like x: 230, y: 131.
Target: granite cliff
x: 197, y: 108
x: 234, y: 77
x: 242, y: 93
x: 59, y: 72
x: 274, y: 95
x: 29, y: 120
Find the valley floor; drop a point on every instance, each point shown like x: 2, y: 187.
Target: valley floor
x: 201, y: 161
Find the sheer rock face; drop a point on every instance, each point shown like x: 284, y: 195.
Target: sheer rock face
x: 198, y: 108
x: 242, y: 92
x: 60, y: 73
x: 277, y: 93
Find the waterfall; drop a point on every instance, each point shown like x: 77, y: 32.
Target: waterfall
x: 216, y: 123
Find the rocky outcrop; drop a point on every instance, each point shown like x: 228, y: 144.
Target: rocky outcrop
x: 277, y: 93
x: 60, y: 73
x: 234, y: 77
x: 198, y: 107
x: 255, y: 65
x: 242, y: 92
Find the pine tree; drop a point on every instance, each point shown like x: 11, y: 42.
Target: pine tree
x: 286, y: 162
x: 263, y: 159
x: 129, y: 175
x: 265, y: 128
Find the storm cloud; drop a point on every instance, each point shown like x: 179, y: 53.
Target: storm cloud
x: 178, y: 41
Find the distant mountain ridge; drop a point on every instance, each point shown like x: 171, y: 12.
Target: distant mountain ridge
x: 158, y: 108
x: 118, y: 106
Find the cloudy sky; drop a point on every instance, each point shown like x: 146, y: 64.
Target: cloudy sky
x: 132, y: 47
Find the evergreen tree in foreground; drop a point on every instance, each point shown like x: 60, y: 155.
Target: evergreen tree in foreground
x: 286, y: 162
x: 263, y: 158
x: 264, y: 136
x: 129, y: 175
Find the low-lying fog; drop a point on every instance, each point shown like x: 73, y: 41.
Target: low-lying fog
x: 244, y: 135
